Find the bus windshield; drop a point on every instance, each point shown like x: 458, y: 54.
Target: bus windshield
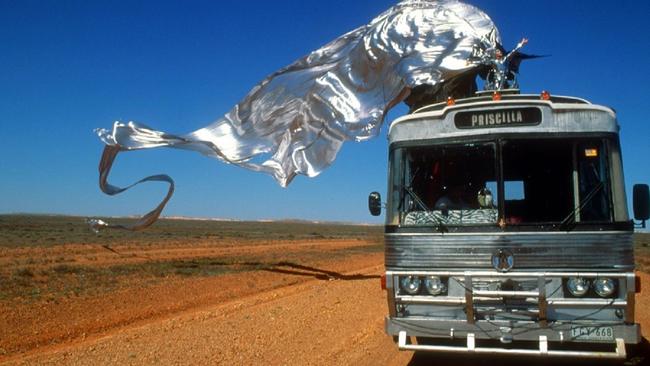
x: 504, y: 182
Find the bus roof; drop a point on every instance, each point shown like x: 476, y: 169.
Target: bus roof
x: 511, y: 114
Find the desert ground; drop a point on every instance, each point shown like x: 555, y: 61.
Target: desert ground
x: 206, y: 292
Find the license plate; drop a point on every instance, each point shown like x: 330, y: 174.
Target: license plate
x: 593, y: 333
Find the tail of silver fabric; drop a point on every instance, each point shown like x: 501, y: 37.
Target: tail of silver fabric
x: 105, y: 164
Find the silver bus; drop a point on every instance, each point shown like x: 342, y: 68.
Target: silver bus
x: 507, y: 229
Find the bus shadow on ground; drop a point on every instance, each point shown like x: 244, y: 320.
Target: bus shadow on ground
x: 295, y: 269
x: 209, y: 266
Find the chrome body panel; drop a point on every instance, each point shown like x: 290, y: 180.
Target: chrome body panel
x: 532, y: 250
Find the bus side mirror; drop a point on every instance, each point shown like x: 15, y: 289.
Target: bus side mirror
x: 374, y: 203
x: 641, y: 201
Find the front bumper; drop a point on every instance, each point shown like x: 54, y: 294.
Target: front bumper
x: 538, y: 324
x: 458, y: 336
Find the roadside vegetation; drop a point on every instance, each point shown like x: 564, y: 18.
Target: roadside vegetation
x: 40, y: 230
x: 55, y: 269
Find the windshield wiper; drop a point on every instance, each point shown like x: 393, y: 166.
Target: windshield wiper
x: 441, y: 226
x: 570, y: 218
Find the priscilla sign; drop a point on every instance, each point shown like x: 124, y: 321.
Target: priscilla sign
x: 498, y: 118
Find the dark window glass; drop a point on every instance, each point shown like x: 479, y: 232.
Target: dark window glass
x: 450, y: 185
x: 559, y: 181
x: 538, y: 180
x: 592, y: 173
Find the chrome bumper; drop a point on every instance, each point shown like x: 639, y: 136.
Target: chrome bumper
x: 543, y: 350
x: 545, y: 335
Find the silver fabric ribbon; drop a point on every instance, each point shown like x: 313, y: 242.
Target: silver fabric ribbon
x: 105, y: 164
x: 296, y: 120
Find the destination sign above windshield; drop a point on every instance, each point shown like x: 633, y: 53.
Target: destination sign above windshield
x: 511, y: 117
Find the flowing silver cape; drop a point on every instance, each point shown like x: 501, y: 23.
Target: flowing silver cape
x: 295, y: 120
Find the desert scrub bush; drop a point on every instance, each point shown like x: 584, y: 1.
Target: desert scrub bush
x: 67, y: 269
x: 24, y: 272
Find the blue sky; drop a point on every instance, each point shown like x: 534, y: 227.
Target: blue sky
x: 67, y: 67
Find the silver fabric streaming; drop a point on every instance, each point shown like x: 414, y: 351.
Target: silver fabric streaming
x: 105, y: 164
x: 295, y: 120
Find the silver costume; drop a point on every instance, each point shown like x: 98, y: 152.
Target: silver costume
x: 295, y: 120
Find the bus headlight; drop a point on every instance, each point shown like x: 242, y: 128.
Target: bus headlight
x: 577, y: 286
x: 410, y: 284
x: 434, y: 285
x: 604, y: 287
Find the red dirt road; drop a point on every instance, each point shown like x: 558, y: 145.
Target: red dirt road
x: 296, y: 315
